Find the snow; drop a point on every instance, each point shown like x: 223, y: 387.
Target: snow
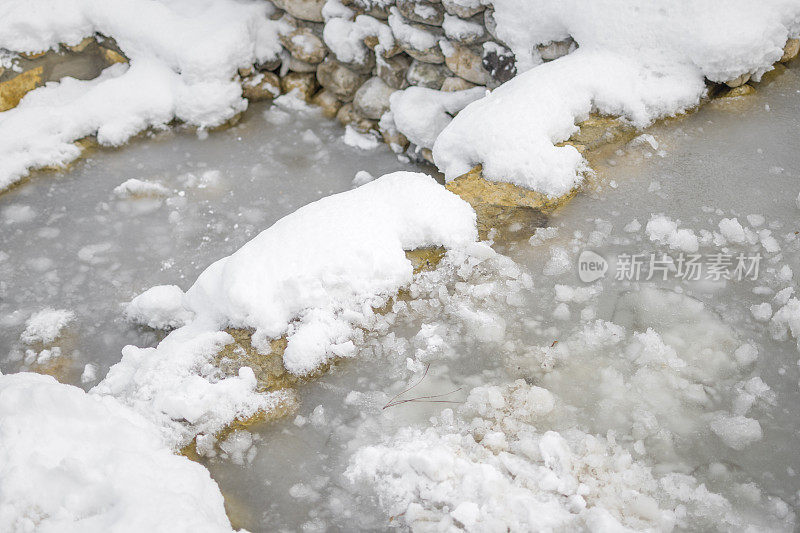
x: 71, y: 461
x: 45, y: 326
x: 358, y: 238
x: 736, y: 431
x: 513, y: 458
x: 641, y: 62
x: 345, y: 38
x: 409, y: 35
x: 136, y: 188
x: 421, y: 114
x: 356, y: 139
x: 460, y: 29
x: 662, y: 230
x: 314, y: 276
x: 159, y: 307
x: 183, y: 59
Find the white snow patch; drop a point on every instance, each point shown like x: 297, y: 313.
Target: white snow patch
x: 45, y: 326
x: 71, y: 461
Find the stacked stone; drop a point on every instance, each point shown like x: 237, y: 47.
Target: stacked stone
x: 83, y: 61
x: 349, y: 56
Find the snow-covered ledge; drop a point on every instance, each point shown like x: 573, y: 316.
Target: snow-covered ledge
x: 400, y: 70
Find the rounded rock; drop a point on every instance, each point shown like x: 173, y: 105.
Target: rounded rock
x: 304, y: 45
x: 261, y: 86
x: 340, y: 80
x: 555, y: 49
x: 427, y: 75
x: 467, y: 62
x: 422, y: 11
x: 393, y: 70
x: 736, y: 82
x: 328, y: 102
x: 791, y: 50
x: 372, y: 99
x: 454, y: 83
x: 463, y: 8
x: 305, y: 83
x: 310, y: 10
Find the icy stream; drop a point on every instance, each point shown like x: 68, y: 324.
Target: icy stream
x: 672, y: 384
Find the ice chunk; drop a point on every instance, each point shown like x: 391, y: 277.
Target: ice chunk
x: 45, y: 326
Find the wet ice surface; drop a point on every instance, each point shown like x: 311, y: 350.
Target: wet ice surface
x: 69, y: 240
x: 667, y: 394
x: 673, y: 393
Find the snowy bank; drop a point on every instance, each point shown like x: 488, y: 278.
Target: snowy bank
x: 316, y: 277
x: 71, y: 461
x: 393, y: 67
x: 183, y: 60
x: 641, y: 62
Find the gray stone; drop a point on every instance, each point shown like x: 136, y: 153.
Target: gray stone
x: 328, y: 102
x: 295, y: 65
x: 414, y: 36
x: 500, y: 62
x: 372, y: 98
x: 422, y: 11
x: 348, y: 115
x: 261, y: 86
x: 270, y: 64
x: 736, y: 82
x: 340, y: 80
x: 464, y: 31
x: 556, y: 49
x: 490, y: 24
x: 467, y: 62
x: 393, y: 70
x: 427, y: 74
x: 790, y: 51
x: 304, y: 45
x: 377, y: 9
x: 303, y: 82
x: 454, y: 83
x: 310, y: 10
x: 431, y: 55
x: 457, y: 8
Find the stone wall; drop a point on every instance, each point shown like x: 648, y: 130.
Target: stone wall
x: 348, y: 57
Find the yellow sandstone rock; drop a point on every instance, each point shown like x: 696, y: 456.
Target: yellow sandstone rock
x: 112, y: 57
x: 791, y: 50
x: 12, y: 91
x: 502, y: 206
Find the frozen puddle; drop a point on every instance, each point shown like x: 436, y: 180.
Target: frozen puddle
x: 537, y: 401
x: 89, y: 239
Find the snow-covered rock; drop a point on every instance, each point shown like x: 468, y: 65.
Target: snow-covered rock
x: 314, y: 277
x: 183, y: 61
x: 71, y: 461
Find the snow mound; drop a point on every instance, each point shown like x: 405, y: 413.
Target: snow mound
x: 134, y: 188
x: 159, y: 307
x: 183, y: 60
x: 421, y: 114
x: 642, y: 62
x: 45, y: 326
x: 340, y: 252
x: 71, y: 461
x: 316, y: 276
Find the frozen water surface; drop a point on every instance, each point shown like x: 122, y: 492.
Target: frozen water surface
x: 87, y: 240
x: 652, y: 404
